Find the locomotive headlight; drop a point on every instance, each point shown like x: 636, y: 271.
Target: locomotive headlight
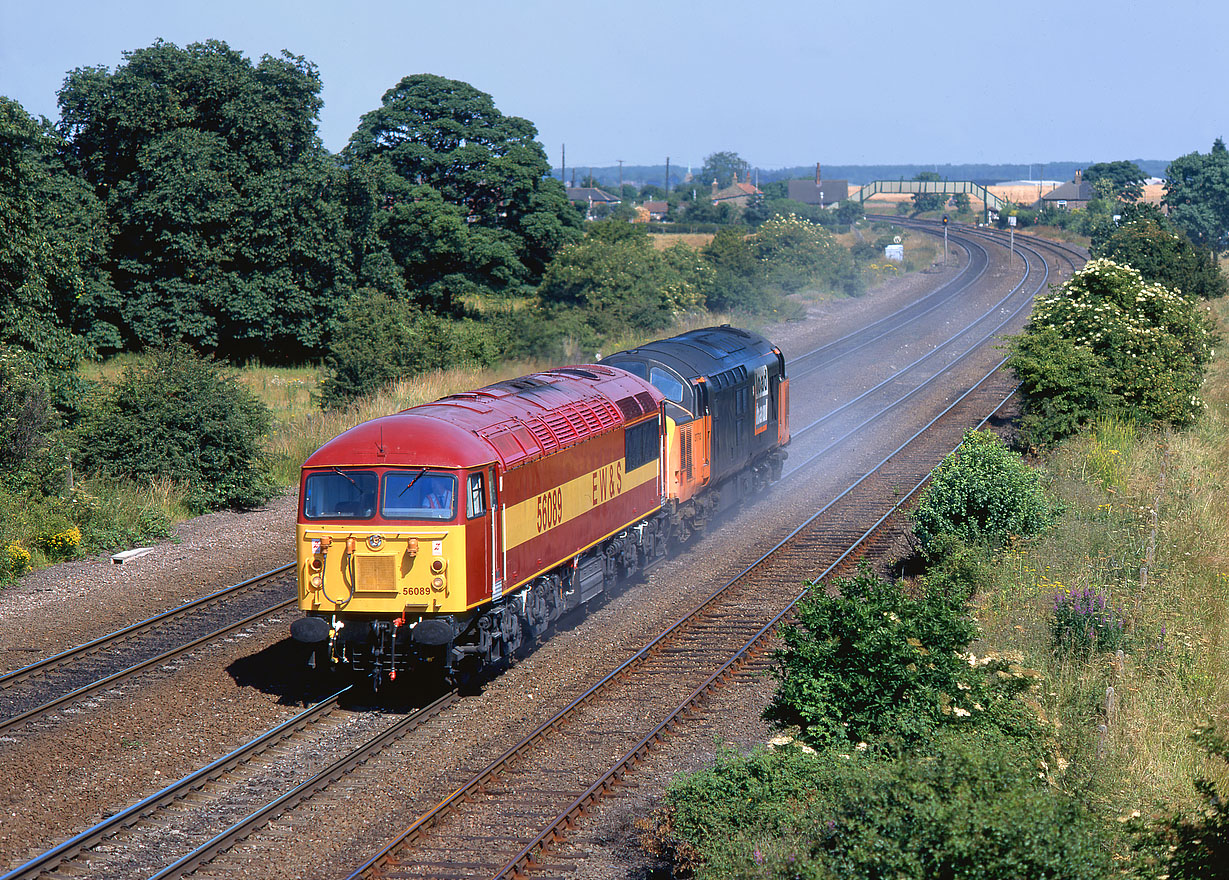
x: 316, y: 581
x: 437, y: 584
x: 438, y: 566
x: 375, y: 542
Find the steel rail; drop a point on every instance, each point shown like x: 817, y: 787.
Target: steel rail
x: 795, y: 468
x: 527, y: 858
x: 428, y: 819
x: 801, y: 365
x: 57, y: 855
x: 115, y: 677
x: 204, y: 853
x: 950, y: 341
x: 14, y: 676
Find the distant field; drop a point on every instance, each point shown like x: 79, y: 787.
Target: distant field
x: 697, y: 240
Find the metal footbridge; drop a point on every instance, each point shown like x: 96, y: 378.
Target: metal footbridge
x: 944, y: 187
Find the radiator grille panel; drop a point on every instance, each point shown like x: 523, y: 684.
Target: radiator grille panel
x: 375, y: 573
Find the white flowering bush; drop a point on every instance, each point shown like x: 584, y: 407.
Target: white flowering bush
x: 798, y: 254
x: 1107, y: 341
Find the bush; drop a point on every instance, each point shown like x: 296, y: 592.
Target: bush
x: 182, y: 417
x: 798, y: 254
x: 983, y: 493
x: 968, y: 809
x: 377, y: 340
x: 872, y: 664
x: 620, y: 282
x: 1146, y: 241
x: 1106, y: 342
x: 32, y: 455
x: 1084, y: 621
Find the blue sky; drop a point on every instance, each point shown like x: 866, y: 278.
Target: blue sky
x: 781, y: 82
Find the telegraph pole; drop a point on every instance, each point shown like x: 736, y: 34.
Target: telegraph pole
x: 620, y: 161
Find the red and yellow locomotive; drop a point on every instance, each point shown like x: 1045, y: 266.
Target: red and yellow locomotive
x: 454, y: 531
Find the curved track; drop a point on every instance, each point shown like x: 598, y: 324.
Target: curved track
x: 855, y: 519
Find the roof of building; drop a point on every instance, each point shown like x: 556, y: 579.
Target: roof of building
x: 1070, y: 192
x: 735, y: 190
x: 591, y: 194
x: 657, y: 207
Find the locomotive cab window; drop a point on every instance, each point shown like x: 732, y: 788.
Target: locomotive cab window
x: 338, y: 494
x: 475, y: 504
x: 667, y: 384
x: 419, y: 494
x: 641, y: 444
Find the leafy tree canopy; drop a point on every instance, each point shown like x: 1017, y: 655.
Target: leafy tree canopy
x: 928, y: 201
x: 220, y: 193
x: 620, y: 280
x: 1145, y: 240
x: 42, y: 251
x: 723, y: 167
x: 1126, y: 178
x: 1197, y: 193
x: 1106, y: 342
x: 486, y: 171
x: 181, y: 416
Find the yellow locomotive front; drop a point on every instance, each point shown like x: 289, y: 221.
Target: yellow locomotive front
x: 384, y: 563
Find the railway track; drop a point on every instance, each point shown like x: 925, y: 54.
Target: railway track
x: 40, y: 688
x: 886, y: 482
x: 486, y: 827
x: 535, y: 788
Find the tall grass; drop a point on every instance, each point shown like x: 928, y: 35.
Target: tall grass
x: 1147, y: 525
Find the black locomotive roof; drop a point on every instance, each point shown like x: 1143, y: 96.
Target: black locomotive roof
x: 710, y: 351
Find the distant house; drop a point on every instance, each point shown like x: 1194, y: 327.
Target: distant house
x: 737, y: 194
x: 587, y: 196
x: 819, y: 191
x: 657, y: 210
x: 1072, y: 195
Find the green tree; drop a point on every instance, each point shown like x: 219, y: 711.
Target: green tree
x: 1106, y: 341
x: 620, y: 280
x: 871, y: 663
x: 1197, y: 194
x: 798, y: 254
x: 724, y: 167
x: 1126, y: 179
x: 50, y: 233
x: 228, y: 228
x: 983, y: 493
x: 486, y: 171
x: 928, y: 201
x: 378, y: 339
x: 1145, y: 240
x: 739, y: 278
